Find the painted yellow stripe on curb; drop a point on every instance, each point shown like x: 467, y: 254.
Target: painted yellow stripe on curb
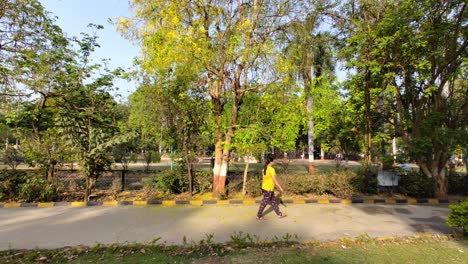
x: 11, y: 205
x: 346, y: 201
x: 168, y: 203
x: 110, y: 203
x: 368, y: 201
x: 299, y: 201
x: 196, y: 202
x: 390, y: 201
x: 433, y: 201
x: 248, y: 201
x: 78, y: 204
x: 140, y: 203
x: 412, y: 201
x: 323, y: 201
x: 45, y: 205
x: 222, y: 202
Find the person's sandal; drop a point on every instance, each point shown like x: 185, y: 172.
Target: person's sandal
x: 260, y: 218
x: 282, y: 215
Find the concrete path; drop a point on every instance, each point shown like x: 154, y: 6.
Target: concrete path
x: 67, y: 226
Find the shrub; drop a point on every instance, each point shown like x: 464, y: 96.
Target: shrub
x: 366, y: 180
x: 415, y: 184
x: 10, y: 181
x: 36, y: 188
x: 254, y: 187
x: 340, y: 183
x: 458, y: 216
x: 202, y: 181
x: 457, y: 184
x: 171, y: 181
x: 301, y: 185
x: 115, y: 188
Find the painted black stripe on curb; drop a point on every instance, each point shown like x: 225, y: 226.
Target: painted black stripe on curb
x: 154, y: 202
x: 182, y: 202
x: 94, y: 203
x: 209, y: 201
x: 357, y: 201
x: 28, y: 205
x: 335, y: 201
x: 62, y: 204
x: 311, y: 201
x: 236, y: 202
x: 379, y: 200
x: 288, y: 201
x: 401, y: 201
x: 444, y: 201
x: 422, y: 201
x: 125, y: 203
x: 1, y: 205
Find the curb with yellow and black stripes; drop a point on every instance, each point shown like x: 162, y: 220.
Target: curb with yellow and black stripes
x: 226, y: 202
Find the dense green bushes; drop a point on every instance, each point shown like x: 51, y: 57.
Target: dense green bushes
x: 19, y: 185
x: 176, y: 181
x: 457, y: 184
x: 415, y: 184
x: 458, y: 216
x: 342, y: 184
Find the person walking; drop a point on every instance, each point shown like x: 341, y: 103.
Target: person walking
x: 268, y: 185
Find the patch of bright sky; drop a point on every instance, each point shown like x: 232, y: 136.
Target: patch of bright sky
x: 73, y: 16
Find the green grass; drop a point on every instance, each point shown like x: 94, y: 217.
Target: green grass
x: 402, y: 250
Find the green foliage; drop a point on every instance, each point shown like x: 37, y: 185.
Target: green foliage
x: 10, y: 182
x: 415, y: 184
x: 340, y: 183
x: 457, y: 184
x: 37, y: 188
x: 116, y: 188
x: 366, y: 182
x: 12, y: 157
x: 171, y: 181
x: 302, y: 185
x: 203, y: 181
x: 254, y: 187
x: 458, y: 216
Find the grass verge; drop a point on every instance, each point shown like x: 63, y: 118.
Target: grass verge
x: 243, y: 249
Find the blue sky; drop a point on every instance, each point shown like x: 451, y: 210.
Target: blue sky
x: 74, y: 17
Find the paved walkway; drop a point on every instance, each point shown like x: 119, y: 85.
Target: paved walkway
x: 67, y: 226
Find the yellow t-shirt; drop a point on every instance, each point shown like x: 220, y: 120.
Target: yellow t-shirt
x: 268, y: 184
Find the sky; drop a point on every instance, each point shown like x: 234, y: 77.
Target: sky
x: 73, y: 16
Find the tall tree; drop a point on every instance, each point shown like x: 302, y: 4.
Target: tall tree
x: 309, y: 51
x: 224, y: 40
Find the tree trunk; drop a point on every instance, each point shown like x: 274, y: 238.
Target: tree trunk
x: 90, y: 181
x: 310, y: 134
x: 246, y: 170
x: 437, y: 171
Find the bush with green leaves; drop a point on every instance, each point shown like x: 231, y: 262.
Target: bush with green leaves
x: 416, y: 184
x: 171, y: 181
x: 458, y: 216
x: 253, y: 187
x: 340, y: 183
x: 202, y: 181
x: 366, y: 180
x: 37, y: 188
x: 457, y: 184
x: 10, y: 181
x: 301, y: 184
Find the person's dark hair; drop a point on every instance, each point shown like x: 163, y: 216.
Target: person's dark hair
x: 268, y: 161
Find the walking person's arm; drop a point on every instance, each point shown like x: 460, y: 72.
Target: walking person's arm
x: 277, y: 183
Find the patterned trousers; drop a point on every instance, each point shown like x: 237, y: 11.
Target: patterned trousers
x: 268, y: 198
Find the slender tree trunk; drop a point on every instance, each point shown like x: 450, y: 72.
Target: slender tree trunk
x: 310, y: 134
x: 246, y: 170
x: 367, y: 99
